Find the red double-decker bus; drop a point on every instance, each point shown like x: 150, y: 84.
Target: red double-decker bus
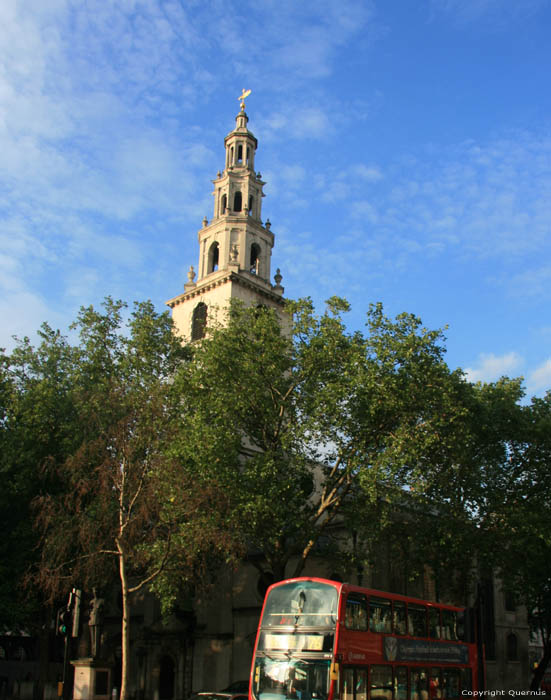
x: 325, y: 640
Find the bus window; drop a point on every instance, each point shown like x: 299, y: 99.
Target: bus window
x: 354, y: 686
x: 290, y: 679
x: 348, y: 684
x: 450, y: 688
x: 301, y: 604
x: 380, y: 615
x: 400, y: 683
x: 361, y: 684
x: 419, y: 689
x: 449, y: 625
x: 356, y: 612
x: 435, y: 684
x: 380, y: 683
x: 466, y: 679
x: 462, y: 625
x: 399, y: 616
x: 417, y: 620
x: 434, y: 623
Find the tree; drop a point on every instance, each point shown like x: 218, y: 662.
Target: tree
x: 36, y: 427
x: 452, y: 511
x: 487, y: 499
x: 521, y: 507
x: 306, y: 426
x: 128, y: 508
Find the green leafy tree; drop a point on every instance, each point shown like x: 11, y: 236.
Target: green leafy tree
x: 36, y: 429
x: 129, y: 509
x: 452, y: 510
x: 487, y: 499
x: 306, y: 426
x: 521, y: 507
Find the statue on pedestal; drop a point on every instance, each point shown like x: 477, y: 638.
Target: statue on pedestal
x: 95, y: 622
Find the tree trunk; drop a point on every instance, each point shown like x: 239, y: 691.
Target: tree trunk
x: 278, y: 569
x: 542, y: 666
x: 125, y: 627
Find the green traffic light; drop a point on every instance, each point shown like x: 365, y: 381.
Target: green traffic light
x: 64, y: 620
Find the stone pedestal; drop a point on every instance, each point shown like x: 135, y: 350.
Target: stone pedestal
x: 92, y: 679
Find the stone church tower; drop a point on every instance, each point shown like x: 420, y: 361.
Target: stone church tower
x: 235, y: 248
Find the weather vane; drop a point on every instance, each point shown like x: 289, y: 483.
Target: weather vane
x: 242, y: 97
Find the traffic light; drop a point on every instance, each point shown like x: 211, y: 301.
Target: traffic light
x: 64, y: 622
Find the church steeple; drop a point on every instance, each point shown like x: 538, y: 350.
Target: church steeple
x: 237, y: 222
x: 235, y: 247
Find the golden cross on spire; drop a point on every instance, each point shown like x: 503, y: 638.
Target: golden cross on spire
x: 244, y: 94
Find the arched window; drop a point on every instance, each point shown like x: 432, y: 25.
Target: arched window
x: 237, y: 201
x: 214, y: 253
x: 240, y: 154
x: 512, y: 647
x: 199, y: 321
x: 254, y: 266
x: 224, y: 204
x: 248, y: 154
x: 510, y: 601
x: 251, y: 202
x: 231, y: 155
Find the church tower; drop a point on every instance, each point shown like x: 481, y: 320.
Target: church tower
x: 235, y: 247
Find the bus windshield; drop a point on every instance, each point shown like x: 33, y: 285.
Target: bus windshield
x: 301, y: 604
x: 292, y: 679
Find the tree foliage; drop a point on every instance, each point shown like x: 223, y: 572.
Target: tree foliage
x: 114, y: 501
x: 520, y: 506
x: 329, y: 420
x: 37, y: 428
x: 149, y: 461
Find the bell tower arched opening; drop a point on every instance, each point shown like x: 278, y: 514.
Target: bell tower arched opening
x: 254, y: 262
x: 214, y: 258
x: 199, y: 321
x: 237, y: 201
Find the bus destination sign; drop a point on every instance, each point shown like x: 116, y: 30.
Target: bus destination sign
x: 398, y: 649
x: 297, y: 642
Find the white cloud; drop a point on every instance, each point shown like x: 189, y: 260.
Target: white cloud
x: 370, y: 173
x: 533, y: 281
x: 491, y: 367
x: 300, y: 123
x: 364, y: 210
x: 477, y: 201
x: 539, y: 380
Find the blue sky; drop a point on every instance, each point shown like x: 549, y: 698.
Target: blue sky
x: 406, y: 146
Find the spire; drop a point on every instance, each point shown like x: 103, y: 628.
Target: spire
x: 236, y: 235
